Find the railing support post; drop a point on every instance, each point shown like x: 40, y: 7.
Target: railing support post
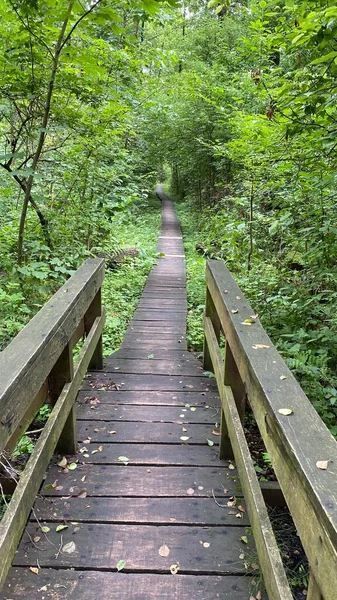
x: 94, y: 311
x: 62, y: 373
x: 210, y: 311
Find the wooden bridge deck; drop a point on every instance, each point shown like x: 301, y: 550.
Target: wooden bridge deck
x: 153, y: 406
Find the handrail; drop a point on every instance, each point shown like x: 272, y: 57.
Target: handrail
x: 38, y: 365
x: 254, y: 371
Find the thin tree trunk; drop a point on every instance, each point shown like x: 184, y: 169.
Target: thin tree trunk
x: 251, y: 216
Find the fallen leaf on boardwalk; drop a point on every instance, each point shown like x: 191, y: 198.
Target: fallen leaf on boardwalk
x: 34, y: 570
x: 249, y: 321
x: 174, y: 569
x: 184, y: 429
x: 231, y: 466
x: 193, y: 409
x: 258, y: 346
x: 209, y: 442
x: 258, y: 595
x: 59, y: 488
x: 86, y: 455
x: 215, y: 431
x: 45, y: 529
x: 69, y: 548
x: 241, y: 556
x: 71, y: 490
x: 61, y: 527
x: 286, y: 411
x: 43, y: 589
x: 232, y: 502
x: 206, y: 544
x: 164, y: 550
x: 112, y: 432
x: 94, y: 452
x: 87, y: 441
x: 82, y: 494
x: 96, y: 430
x: 244, y: 539
x: 63, y: 462
x: 150, y: 356
x: 49, y: 486
x: 283, y: 377
x: 190, y: 491
x: 234, y: 311
x: 124, y: 459
x: 72, y: 466
x: 239, y: 515
x: 232, y: 512
x: 36, y: 539
x: 181, y: 416
x: 100, y: 448
x: 83, y: 478
x: 255, y: 566
x: 184, y: 438
x: 120, y: 565
x: 322, y: 464
x: 241, y: 508
x: 200, y: 487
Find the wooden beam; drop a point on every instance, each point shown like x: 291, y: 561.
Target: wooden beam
x: 14, y: 520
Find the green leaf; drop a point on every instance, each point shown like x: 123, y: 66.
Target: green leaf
x: 120, y: 565
x: 325, y: 58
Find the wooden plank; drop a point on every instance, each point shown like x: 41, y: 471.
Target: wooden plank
x: 156, y: 328
x: 13, y: 522
x: 294, y: 443
x: 270, y: 560
x: 104, y: 480
x: 153, y: 454
x: 151, y: 344
x: 83, y: 585
x: 102, y: 546
x: 103, y: 381
x: 94, y: 311
x: 184, y: 511
x: 163, y: 353
x: 26, y: 362
x: 61, y: 374
x: 150, y: 398
x: 40, y: 399
x: 152, y: 367
x: 165, y: 433
x: 155, y: 414
x: 149, y: 302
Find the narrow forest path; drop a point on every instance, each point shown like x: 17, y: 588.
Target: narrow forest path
x: 144, y: 488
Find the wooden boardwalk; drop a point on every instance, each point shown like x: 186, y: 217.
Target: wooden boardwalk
x: 153, y: 409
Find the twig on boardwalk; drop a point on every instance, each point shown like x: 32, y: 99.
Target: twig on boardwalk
x: 59, y: 550
x: 217, y: 503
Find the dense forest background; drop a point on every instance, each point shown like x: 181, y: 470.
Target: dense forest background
x: 232, y: 104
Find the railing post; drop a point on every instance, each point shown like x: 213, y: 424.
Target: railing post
x: 94, y: 311
x: 62, y: 373
x: 210, y: 311
x: 314, y: 593
x: 233, y: 380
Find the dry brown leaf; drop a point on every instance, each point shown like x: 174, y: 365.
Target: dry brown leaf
x: 258, y: 595
x: 215, y: 431
x: 206, y: 544
x: 34, y: 570
x: 69, y: 548
x: 234, y: 311
x: 231, y: 466
x: 190, y: 491
x: 260, y: 346
x: 242, y: 508
x: 164, y: 550
x: 82, y: 494
x: 36, y: 539
x: 174, y: 569
x: 63, y: 462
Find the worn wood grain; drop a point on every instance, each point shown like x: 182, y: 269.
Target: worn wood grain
x: 153, y: 367
x: 89, y: 410
x: 28, y: 359
x: 152, y: 398
x: 153, y: 454
x: 102, y: 546
x: 155, y: 433
x: 102, y: 381
x: 105, y: 480
x: 83, y: 585
x: 182, y: 511
x: 13, y: 521
x: 294, y: 443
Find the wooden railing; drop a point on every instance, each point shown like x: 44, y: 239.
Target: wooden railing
x: 37, y: 366
x: 253, y: 371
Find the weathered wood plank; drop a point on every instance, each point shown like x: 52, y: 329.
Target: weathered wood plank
x: 26, y: 362
x: 152, y: 367
x: 90, y: 409
x: 153, y: 454
x: 294, y: 443
x: 104, y: 480
x: 184, y: 511
x: 151, y: 344
x: 153, y: 433
x: 102, y: 381
x: 163, y: 354
x: 151, y: 398
x: 13, y: 522
x: 83, y: 585
x: 102, y: 546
